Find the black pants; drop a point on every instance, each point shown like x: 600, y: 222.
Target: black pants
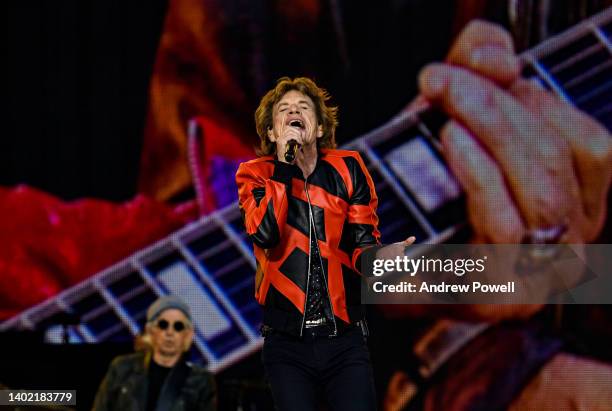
x: 300, y: 368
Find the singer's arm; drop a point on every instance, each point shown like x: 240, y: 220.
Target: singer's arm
x: 263, y: 201
x: 362, y: 220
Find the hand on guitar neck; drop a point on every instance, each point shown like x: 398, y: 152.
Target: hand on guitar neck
x: 525, y: 158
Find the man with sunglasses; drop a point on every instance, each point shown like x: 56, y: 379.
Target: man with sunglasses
x: 159, y: 378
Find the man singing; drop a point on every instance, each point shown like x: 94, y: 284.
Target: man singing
x: 311, y: 212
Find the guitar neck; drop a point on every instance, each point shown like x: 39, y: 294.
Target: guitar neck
x: 209, y: 262
x: 577, y: 66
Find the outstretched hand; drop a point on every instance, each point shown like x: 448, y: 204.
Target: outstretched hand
x: 409, y: 240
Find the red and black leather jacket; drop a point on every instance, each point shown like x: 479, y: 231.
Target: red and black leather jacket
x: 274, y: 201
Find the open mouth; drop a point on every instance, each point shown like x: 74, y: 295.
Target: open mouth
x: 296, y: 123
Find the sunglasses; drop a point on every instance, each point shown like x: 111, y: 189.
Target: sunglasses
x: 178, y: 325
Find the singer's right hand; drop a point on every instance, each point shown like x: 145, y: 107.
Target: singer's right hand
x: 288, y: 133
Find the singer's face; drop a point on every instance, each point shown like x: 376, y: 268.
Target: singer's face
x: 294, y: 118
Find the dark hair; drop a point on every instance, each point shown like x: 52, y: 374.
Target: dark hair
x: 326, y: 115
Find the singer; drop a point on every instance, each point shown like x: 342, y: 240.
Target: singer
x: 310, y: 211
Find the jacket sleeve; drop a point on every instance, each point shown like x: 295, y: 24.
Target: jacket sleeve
x: 263, y: 202
x: 103, y: 401
x: 207, y: 400
x: 362, y: 218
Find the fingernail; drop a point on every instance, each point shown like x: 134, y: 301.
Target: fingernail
x: 486, y: 56
x: 433, y: 79
x: 483, y: 56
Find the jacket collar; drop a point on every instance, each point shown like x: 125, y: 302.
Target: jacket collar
x: 295, y: 170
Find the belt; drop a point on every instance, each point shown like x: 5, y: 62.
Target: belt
x: 319, y: 330
x: 323, y: 330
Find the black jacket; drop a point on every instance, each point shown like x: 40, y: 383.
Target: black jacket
x: 124, y: 387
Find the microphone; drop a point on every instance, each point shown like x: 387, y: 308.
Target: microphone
x: 291, y: 150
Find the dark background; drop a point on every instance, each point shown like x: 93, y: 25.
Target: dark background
x: 76, y: 82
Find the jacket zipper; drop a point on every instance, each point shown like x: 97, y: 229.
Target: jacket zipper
x: 309, y: 253
x: 313, y: 227
x: 307, y: 276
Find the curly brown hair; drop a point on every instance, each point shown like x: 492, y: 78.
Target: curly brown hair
x: 326, y: 115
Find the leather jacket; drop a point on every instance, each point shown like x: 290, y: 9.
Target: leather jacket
x: 276, y: 202
x: 124, y: 388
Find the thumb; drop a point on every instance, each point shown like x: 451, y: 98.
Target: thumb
x: 410, y: 240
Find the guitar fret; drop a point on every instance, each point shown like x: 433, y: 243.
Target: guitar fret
x: 433, y: 139
x: 591, y: 94
x: 546, y: 77
x: 236, y: 240
x: 606, y: 29
x: 213, y: 251
x: 211, y: 358
x: 416, y: 213
x: 583, y: 100
x: 109, y: 332
x: 392, y: 208
x: 568, y: 52
x: 584, y: 74
x: 600, y: 35
x: 588, y: 74
x: 433, y: 120
x: 133, y: 292
x: 86, y: 334
x: 575, y: 58
x: 214, y: 288
x: 229, y: 267
x: 147, y: 277
x: 126, y: 284
x: 117, y: 308
x: 96, y: 312
x: 571, y: 35
x: 214, y: 256
x: 530, y: 74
